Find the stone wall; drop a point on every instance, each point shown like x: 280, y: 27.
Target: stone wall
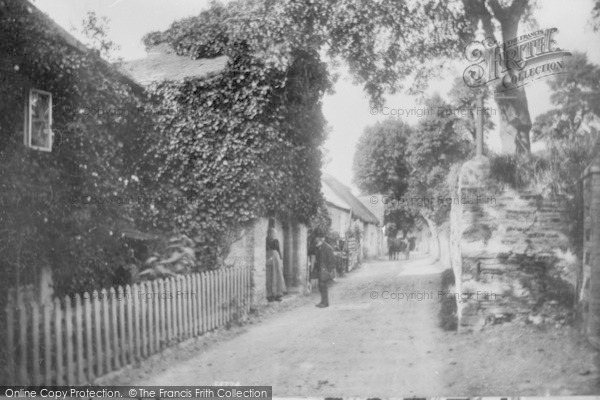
x: 510, y: 252
x: 340, y: 219
x: 300, y: 259
x: 371, y: 241
x: 250, y: 250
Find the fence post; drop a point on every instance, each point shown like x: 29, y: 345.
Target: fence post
x: 23, y: 378
x: 157, y: 318
x: 173, y: 304
x: 89, y: 353
x: 150, y: 310
x: 195, y: 305
x: 69, y: 339
x: 180, y: 309
x: 106, y: 330
x: 212, y: 298
x: 79, y: 339
x: 59, y: 341
x: 47, y: 307
x: 10, y: 342
x: 97, y: 332
x: 122, y: 325
x: 203, y: 306
x: 176, y: 315
x: 239, y: 292
x: 217, y: 295
x: 248, y: 288
x: 190, y: 305
x: 184, y: 306
x: 137, y: 319
x: 229, y: 293
x: 128, y: 295
x: 220, y: 285
x: 144, y: 322
x: 35, y: 346
x: 114, y: 302
x: 168, y: 311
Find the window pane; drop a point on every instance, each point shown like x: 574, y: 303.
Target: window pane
x: 40, y: 119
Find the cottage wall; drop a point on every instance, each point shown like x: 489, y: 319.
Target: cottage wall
x: 340, y: 220
x: 250, y: 250
x: 371, y: 241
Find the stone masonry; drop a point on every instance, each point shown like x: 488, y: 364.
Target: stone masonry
x: 250, y: 250
x: 509, y: 251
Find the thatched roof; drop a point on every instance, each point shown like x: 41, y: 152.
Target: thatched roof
x: 162, y: 64
x: 343, y: 193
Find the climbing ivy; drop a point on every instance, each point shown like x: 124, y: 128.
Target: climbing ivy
x: 63, y: 209
x: 236, y: 146
x: 244, y: 143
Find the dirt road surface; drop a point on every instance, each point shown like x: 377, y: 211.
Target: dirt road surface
x: 377, y: 341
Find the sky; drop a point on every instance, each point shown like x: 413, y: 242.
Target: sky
x: 347, y: 110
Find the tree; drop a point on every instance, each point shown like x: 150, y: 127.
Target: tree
x: 463, y: 100
x: 515, y: 120
x: 382, y: 42
x: 95, y: 29
x: 596, y: 16
x: 435, y: 147
x: 385, y: 44
x: 570, y: 134
x: 380, y: 164
x: 388, y: 43
x: 578, y: 94
x: 413, y: 166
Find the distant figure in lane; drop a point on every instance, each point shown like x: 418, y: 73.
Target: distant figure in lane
x: 324, y: 265
x: 406, y: 247
x: 275, y: 282
x: 413, y: 242
x: 391, y: 248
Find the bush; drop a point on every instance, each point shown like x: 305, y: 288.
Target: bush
x: 519, y: 170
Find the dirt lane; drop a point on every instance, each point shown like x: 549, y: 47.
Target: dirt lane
x: 369, y: 344
x: 359, y: 346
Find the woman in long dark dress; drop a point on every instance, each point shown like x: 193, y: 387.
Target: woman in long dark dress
x: 275, y: 282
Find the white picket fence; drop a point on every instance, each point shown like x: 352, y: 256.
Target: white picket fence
x: 80, y: 338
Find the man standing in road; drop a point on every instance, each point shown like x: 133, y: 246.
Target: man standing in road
x: 324, y: 265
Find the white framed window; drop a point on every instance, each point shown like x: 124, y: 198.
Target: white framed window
x: 38, y: 120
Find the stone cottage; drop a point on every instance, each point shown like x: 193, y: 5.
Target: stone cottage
x: 347, y: 211
x: 249, y: 246
x: 32, y: 103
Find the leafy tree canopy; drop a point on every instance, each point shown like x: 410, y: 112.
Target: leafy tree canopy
x: 383, y: 43
x: 380, y: 159
x: 413, y: 165
x: 578, y: 94
x: 433, y: 150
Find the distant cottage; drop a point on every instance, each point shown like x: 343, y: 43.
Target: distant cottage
x: 347, y: 212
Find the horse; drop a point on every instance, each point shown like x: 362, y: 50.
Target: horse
x: 395, y: 247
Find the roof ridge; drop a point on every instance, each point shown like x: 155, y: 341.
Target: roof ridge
x: 344, y: 192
